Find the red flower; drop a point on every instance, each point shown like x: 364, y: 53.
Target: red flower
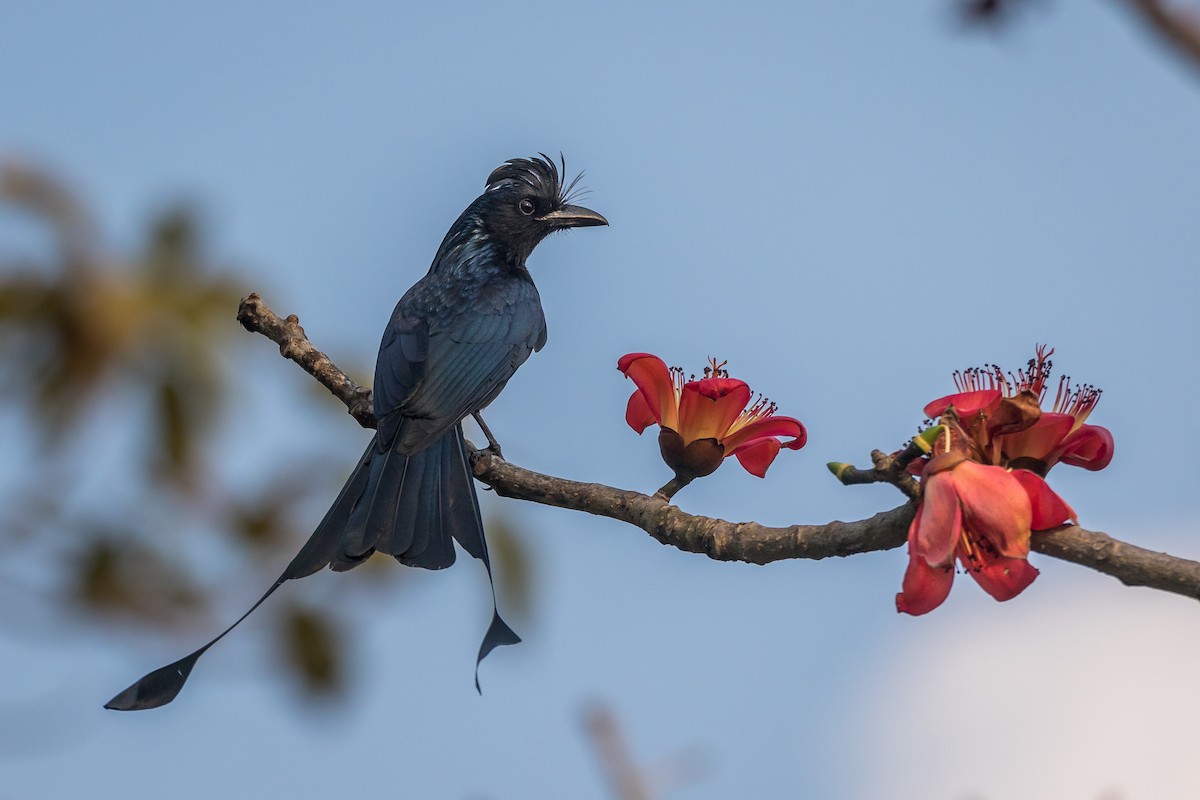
x: 982, y: 516
x: 707, y: 420
x: 1002, y: 416
x: 983, y: 495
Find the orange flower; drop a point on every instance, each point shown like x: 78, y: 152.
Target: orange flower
x: 705, y: 421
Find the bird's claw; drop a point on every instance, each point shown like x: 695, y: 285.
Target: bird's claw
x: 493, y: 446
x: 492, y: 449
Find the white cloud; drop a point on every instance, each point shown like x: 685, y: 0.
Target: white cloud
x: 1085, y: 690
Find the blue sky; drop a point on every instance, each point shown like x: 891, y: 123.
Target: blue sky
x: 847, y: 201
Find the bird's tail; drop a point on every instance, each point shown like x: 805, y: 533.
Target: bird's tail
x: 412, y: 507
x: 415, y: 507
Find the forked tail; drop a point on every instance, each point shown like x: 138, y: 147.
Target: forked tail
x: 412, y: 507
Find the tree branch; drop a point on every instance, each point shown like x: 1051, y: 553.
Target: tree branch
x: 717, y: 538
x: 1180, y: 27
x: 887, y: 469
x: 256, y: 317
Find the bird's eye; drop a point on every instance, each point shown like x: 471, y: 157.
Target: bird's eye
x: 526, y: 206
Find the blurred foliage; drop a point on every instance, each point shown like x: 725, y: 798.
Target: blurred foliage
x: 74, y: 328
x: 312, y: 646
x: 514, y: 566
x: 92, y: 342
x: 626, y: 778
x: 994, y: 15
x: 114, y: 575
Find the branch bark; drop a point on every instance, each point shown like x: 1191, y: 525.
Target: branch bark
x: 1179, y: 27
x: 717, y: 538
x: 293, y: 343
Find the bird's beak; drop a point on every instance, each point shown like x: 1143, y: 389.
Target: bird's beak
x: 573, y: 217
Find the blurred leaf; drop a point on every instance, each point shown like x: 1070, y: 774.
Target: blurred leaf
x: 174, y: 431
x: 114, y: 574
x: 312, y: 649
x: 262, y: 521
x: 41, y: 194
x: 514, y: 566
x: 79, y: 327
x: 173, y: 251
x: 992, y: 13
x: 87, y: 320
x: 266, y: 519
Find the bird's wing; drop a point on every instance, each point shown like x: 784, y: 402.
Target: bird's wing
x: 400, y: 367
x: 431, y: 374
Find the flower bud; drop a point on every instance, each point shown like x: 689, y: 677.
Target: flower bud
x: 695, y: 460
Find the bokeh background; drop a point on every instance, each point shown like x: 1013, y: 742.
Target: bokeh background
x: 847, y: 201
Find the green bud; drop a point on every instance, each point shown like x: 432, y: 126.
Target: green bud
x: 838, y: 468
x: 926, y: 439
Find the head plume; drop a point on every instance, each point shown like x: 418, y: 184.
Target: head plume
x: 541, y: 175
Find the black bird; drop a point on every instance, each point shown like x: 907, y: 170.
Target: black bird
x: 454, y: 340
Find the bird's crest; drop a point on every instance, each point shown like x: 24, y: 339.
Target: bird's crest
x: 540, y: 174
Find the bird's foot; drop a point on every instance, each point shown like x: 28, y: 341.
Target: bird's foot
x: 476, y: 452
x: 493, y: 446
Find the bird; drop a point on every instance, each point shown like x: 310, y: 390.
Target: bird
x: 453, y: 341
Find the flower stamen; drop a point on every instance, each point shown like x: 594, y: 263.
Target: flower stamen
x: 715, y: 370
x: 1033, y: 378
x: 678, y: 381
x: 1036, y: 374
x: 1077, y: 402
x: 761, y: 408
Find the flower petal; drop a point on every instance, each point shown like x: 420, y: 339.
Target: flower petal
x: 653, y: 379
x: 709, y: 406
x: 925, y: 587
x: 938, y: 523
x: 1049, y: 510
x: 966, y: 404
x: 1013, y: 414
x: 767, y: 428
x: 639, y: 415
x: 1090, y: 447
x: 1004, y: 578
x: 995, y: 506
x: 757, y: 457
x: 942, y: 462
x: 1039, y: 440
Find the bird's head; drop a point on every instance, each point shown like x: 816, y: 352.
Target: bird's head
x: 526, y: 200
